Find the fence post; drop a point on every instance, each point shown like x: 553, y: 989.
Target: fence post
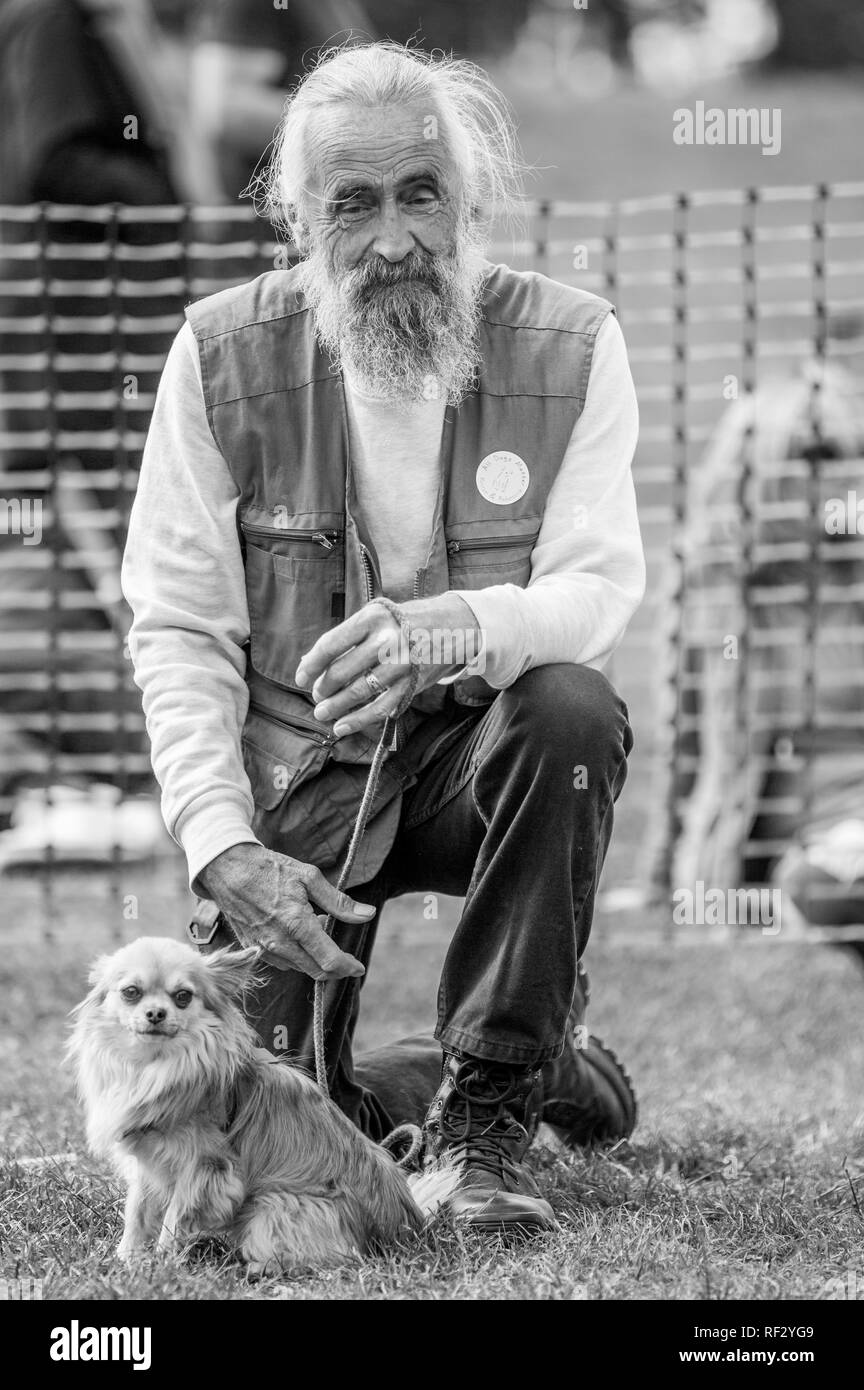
x: 746, y: 518
x: 674, y: 631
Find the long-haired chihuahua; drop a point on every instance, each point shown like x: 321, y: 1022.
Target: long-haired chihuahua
x: 215, y: 1136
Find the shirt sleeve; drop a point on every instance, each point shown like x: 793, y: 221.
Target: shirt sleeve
x: 588, y: 566
x: 183, y: 578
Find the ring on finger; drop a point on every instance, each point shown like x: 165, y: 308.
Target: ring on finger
x: 374, y: 684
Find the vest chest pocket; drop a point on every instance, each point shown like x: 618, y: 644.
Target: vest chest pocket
x: 479, y: 561
x: 295, y: 582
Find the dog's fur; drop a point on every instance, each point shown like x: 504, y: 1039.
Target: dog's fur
x: 215, y: 1136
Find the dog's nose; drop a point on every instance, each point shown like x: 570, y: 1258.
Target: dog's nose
x: 155, y: 1015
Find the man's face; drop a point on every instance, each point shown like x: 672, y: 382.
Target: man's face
x: 381, y: 184
x: 392, y: 271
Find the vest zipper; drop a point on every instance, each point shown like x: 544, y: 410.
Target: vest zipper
x: 326, y: 539
x: 453, y: 547
x: 295, y: 722
x: 367, y: 573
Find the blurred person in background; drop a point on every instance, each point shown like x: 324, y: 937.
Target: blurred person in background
x: 776, y: 729
x: 826, y: 36
x: 249, y: 53
x: 73, y: 75
x: 90, y: 114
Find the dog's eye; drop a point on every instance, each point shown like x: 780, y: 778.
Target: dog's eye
x: 183, y: 998
x: 131, y: 993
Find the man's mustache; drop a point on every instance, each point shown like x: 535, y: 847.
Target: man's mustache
x: 366, y: 279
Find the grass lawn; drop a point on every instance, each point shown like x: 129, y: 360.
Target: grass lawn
x: 743, y: 1180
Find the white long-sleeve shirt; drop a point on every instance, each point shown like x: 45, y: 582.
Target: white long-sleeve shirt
x: 183, y: 571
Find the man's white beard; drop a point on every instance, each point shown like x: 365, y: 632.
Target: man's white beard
x: 407, y: 330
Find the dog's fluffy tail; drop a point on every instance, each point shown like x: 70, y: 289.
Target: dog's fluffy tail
x: 431, y: 1188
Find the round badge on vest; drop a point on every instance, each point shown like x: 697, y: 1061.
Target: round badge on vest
x: 502, y: 477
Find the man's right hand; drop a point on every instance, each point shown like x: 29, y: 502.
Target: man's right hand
x: 267, y: 898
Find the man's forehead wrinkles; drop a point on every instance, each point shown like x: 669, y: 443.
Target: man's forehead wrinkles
x: 378, y: 165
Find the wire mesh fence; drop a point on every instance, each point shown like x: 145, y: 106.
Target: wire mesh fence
x: 744, y: 318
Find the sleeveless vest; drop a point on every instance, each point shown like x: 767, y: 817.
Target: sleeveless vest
x: 277, y: 412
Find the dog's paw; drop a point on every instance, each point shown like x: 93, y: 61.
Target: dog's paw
x: 170, y: 1247
x: 274, y: 1268
x: 130, y: 1254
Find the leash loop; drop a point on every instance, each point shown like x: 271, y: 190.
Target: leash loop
x: 412, y: 1137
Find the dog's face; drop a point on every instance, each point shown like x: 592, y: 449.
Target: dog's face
x: 156, y: 989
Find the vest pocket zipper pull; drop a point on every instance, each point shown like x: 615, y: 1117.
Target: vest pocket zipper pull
x: 327, y: 538
x: 487, y: 542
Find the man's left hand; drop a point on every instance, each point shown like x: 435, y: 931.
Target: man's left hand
x: 444, y: 636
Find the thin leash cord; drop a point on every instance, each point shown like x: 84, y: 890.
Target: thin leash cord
x: 408, y: 1132
x: 353, y: 845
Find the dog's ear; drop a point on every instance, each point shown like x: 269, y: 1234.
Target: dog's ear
x: 231, y: 973
x: 98, y: 975
x: 98, y: 979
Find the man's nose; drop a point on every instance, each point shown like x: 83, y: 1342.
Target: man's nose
x: 155, y: 1013
x: 393, y: 240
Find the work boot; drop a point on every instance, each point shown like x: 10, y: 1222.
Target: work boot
x: 481, y: 1118
x: 587, y: 1096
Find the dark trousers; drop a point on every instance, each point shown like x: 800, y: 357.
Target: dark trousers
x: 516, y: 815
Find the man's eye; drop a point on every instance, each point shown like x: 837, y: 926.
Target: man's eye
x: 183, y: 998
x: 131, y: 993
x: 423, y: 200
x: 354, y: 212
x: 353, y: 206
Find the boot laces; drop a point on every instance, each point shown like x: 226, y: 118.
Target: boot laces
x: 476, y: 1124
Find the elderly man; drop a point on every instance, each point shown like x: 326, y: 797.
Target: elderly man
x: 397, y: 418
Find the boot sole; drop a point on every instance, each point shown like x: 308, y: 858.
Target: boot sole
x: 491, y: 1215
x: 500, y: 1226
x: 503, y: 1228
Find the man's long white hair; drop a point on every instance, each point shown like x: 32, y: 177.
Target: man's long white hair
x: 406, y: 330
x: 473, y: 118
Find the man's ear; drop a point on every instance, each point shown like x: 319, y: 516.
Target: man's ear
x: 231, y: 973
x: 299, y: 230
